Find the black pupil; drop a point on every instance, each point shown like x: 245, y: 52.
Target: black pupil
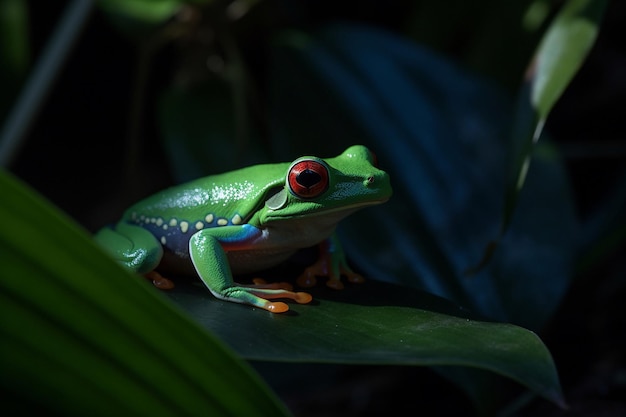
x: 308, y: 178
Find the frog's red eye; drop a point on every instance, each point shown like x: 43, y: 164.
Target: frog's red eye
x: 308, y: 178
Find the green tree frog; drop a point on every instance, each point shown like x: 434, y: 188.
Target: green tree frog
x: 248, y: 220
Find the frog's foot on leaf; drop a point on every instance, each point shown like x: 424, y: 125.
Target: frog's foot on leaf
x: 159, y: 280
x: 326, y: 267
x: 259, y: 297
x: 352, y: 276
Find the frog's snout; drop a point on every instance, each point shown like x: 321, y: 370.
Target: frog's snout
x: 378, y: 182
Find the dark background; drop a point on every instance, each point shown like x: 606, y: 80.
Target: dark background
x: 72, y: 156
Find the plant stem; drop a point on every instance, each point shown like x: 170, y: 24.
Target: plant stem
x: 25, y: 110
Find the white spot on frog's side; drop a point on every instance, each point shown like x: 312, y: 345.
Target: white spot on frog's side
x: 159, y: 222
x: 147, y: 220
x: 236, y: 219
x: 152, y: 220
x: 184, y: 226
x: 173, y: 222
x: 142, y: 218
x: 165, y: 226
x: 233, y: 192
x: 163, y: 241
x: 199, y: 225
x: 222, y: 222
x: 134, y: 216
x: 209, y: 218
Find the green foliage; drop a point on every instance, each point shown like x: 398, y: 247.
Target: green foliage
x: 563, y: 50
x: 458, y: 149
x: 13, y: 39
x: 81, y: 336
x: 149, y: 11
x: 378, y: 323
x: 14, y: 50
x: 559, y: 56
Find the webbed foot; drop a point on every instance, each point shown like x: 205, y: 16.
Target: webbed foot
x: 260, y: 294
x: 159, y: 280
x: 325, y: 266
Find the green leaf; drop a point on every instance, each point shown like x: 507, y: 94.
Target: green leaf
x: 141, y: 19
x: 376, y: 323
x: 146, y: 11
x: 14, y: 50
x: 81, y: 336
x: 561, y: 53
x: 563, y: 50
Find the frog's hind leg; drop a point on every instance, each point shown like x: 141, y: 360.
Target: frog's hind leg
x: 132, y: 246
x: 332, y: 264
x: 260, y: 297
x: 211, y: 264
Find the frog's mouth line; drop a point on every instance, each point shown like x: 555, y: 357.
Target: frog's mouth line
x: 343, y: 211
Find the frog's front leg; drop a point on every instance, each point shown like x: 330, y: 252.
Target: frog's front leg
x: 332, y: 264
x: 211, y: 264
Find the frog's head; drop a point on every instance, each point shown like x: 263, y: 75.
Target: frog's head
x: 340, y: 185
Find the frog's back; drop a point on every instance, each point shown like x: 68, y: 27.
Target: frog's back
x: 174, y: 214
x: 217, y: 200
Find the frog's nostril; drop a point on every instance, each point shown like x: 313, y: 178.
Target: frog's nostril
x: 369, y: 180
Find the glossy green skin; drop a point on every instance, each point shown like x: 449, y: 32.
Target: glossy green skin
x: 244, y: 221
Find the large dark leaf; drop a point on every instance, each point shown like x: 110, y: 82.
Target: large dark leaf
x: 441, y: 133
x: 376, y: 323
x: 81, y: 336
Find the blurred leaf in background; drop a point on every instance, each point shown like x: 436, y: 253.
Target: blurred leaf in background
x: 558, y: 58
x: 139, y: 18
x: 494, y: 38
x: 14, y: 51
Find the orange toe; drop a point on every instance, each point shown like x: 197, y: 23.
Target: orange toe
x: 159, y: 281
x: 303, y: 297
x: 277, y: 307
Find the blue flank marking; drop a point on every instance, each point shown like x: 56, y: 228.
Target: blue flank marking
x: 245, y: 232
x: 178, y: 242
